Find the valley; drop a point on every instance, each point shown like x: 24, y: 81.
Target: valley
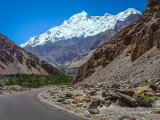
x: 89, y: 67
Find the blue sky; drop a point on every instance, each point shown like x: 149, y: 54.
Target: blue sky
x: 22, y: 19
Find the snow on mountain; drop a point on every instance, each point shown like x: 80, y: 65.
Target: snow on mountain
x: 80, y: 25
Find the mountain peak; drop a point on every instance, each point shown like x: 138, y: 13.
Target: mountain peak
x: 83, y: 12
x: 132, y: 10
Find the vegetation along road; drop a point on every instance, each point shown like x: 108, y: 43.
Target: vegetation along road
x: 27, y: 106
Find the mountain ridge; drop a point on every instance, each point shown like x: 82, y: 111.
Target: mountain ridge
x: 14, y: 59
x: 80, y: 26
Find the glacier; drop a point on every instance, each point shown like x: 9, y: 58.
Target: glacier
x: 80, y: 25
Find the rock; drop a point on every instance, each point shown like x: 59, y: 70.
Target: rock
x: 107, y: 103
x: 93, y: 111
x: 79, y: 104
x: 102, y: 101
x: 93, y: 104
x: 121, y: 90
x: 127, y: 99
x: 104, y: 94
x: 72, y: 97
x: 84, y: 105
x: 124, y: 117
x: 121, y: 103
x: 149, y: 94
x: 130, y: 93
x: 98, y: 89
x: 153, y: 87
x: 108, y: 97
x: 143, y: 102
x: 114, y: 96
x: 60, y: 100
x: 116, y: 86
x: 144, y: 89
x: 14, y: 87
x: 101, y: 105
x: 70, y: 88
x: 66, y: 102
x: 75, y: 101
x: 97, y: 100
x: 93, y: 92
x: 79, y: 95
x: 68, y: 95
x: 157, y: 111
x: 86, y: 113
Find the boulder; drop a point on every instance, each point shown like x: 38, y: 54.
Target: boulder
x: 143, y: 102
x: 153, y: 87
x: 144, y: 89
x: 122, y: 103
x: 86, y: 113
x: 60, y: 100
x: 130, y: 93
x: 93, y: 111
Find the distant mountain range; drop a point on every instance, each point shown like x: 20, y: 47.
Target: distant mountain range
x: 80, y: 26
x: 75, y: 36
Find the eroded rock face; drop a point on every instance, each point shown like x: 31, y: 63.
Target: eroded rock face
x: 142, y: 35
x: 14, y: 59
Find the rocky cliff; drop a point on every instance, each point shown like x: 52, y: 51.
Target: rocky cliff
x: 14, y: 59
x: 142, y: 35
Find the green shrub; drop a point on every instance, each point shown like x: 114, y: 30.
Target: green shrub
x: 143, y: 85
x: 153, y: 84
x: 150, y: 99
x: 1, y: 85
x: 100, y: 85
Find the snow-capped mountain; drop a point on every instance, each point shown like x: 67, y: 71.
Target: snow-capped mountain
x: 80, y: 25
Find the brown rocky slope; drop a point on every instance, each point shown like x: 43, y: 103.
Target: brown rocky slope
x: 14, y: 59
x: 142, y: 35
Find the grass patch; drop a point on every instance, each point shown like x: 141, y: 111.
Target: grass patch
x: 150, y: 99
x: 143, y: 85
x: 153, y: 84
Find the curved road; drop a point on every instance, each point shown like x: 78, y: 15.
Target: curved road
x: 27, y: 106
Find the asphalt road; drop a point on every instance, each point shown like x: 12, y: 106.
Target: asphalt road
x: 27, y: 106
